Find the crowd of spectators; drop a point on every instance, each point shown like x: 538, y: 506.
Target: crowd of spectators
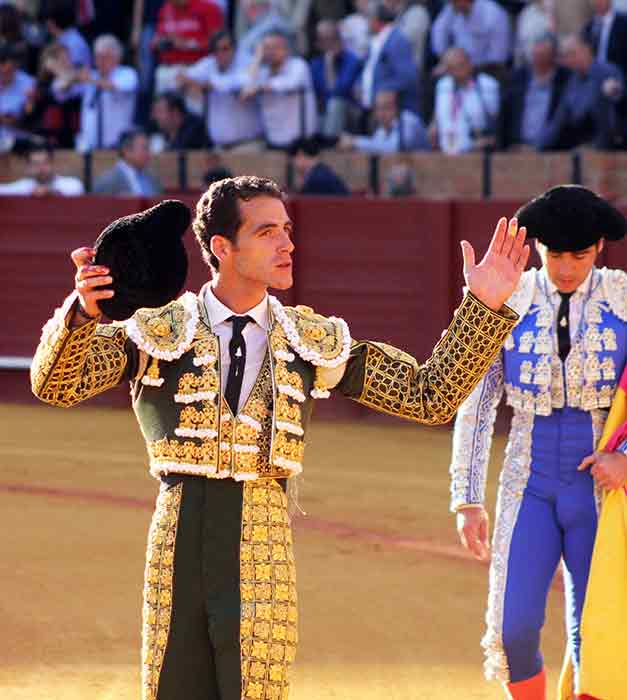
x: 374, y: 76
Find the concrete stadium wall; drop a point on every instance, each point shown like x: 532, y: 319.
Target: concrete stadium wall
x: 392, y: 269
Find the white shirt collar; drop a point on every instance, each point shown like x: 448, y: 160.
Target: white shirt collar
x: 608, y: 17
x: 379, y: 39
x: 582, y: 289
x: 218, y: 312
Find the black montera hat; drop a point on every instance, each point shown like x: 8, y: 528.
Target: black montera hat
x: 570, y: 218
x: 146, y: 257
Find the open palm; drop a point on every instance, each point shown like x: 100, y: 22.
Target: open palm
x: 494, y: 279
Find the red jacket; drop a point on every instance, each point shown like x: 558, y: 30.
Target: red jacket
x: 197, y: 19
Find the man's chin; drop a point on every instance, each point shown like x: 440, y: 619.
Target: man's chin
x: 282, y: 282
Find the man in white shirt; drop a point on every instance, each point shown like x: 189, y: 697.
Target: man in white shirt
x: 481, y: 27
x: 108, y: 96
x: 130, y: 175
x: 42, y: 180
x: 231, y: 121
x: 466, y: 106
x: 283, y: 87
x: 395, y: 131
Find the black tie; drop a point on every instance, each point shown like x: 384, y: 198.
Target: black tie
x: 595, y: 34
x: 563, y: 326
x: 237, y: 351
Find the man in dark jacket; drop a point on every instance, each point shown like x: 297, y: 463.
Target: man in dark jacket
x: 533, y: 96
x: 180, y: 130
x: 312, y: 175
x: 334, y: 73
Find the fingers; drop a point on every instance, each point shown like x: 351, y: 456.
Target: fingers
x: 88, y: 283
x: 511, y: 239
x: 518, y: 244
x: 468, y: 253
x: 521, y: 264
x: 496, y: 244
x: 82, y: 256
x: 471, y: 538
x: 587, y: 462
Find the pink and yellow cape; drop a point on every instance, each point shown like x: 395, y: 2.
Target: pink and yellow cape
x: 603, y: 672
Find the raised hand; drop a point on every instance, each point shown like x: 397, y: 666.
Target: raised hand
x: 495, y: 278
x: 89, y: 280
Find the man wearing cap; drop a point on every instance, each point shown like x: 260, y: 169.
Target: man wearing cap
x: 559, y: 370
x: 223, y: 384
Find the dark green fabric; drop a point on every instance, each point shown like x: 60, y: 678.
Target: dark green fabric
x: 202, y: 658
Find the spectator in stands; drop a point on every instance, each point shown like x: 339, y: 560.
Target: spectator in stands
x: 184, y: 30
x: 533, y: 96
x: 414, y: 22
x: 177, y: 129
x: 480, y: 27
x: 263, y: 18
x: 607, y: 33
x: 312, y: 176
x: 16, y: 90
x: 282, y: 84
x: 216, y: 170
x: 390, y: 64
x: 231, y: 121
x: 466, y: 106
x: 400, y: 181
x: 58, y: 122
x: 355, y: 29
x: 12, y: 31
x: 129, y: 175
x: 396, y: 130
x: 42, y: 179
x: 334, y: 72
x: 108, y: 96
x: 60, y: 22
x: 536, y: 20
x: 587, y: 114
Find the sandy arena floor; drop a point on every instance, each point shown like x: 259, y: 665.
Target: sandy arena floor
x: 390, y: 607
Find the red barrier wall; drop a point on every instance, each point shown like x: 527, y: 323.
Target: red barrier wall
x: 391, y: 268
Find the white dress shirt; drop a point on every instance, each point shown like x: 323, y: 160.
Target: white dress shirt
x: 485, y: 33
x: 576, y: 303
x: 367, y: 77
x: 460, y: 111
x: 66, y: 186
x: 283, y: 96
x: 604, y: 40
x: 255, y: 336
x: 229, y: 119
x: 111, y: 111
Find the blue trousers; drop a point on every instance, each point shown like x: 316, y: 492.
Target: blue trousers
x: 556, y: 520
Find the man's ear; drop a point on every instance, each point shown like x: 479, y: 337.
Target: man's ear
x: 220, y: 247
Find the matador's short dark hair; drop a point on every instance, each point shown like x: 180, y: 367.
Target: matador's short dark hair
x: 218, y: 212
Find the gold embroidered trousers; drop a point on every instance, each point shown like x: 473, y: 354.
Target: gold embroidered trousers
x: 220, y: 617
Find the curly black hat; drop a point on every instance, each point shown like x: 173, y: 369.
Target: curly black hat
x: 146, y: 257
x: 570, y: 218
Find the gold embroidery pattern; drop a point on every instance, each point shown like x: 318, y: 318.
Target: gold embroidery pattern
x: 251, y: 445
x: 73, y: 365
x: 185, y: 457
x: 157, y: 609
x: 431, y: 393
x: 269, y: 617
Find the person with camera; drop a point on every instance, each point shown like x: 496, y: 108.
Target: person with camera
x: 466, y: 106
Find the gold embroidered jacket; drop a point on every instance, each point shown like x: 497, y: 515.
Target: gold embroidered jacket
x: 172, y: 360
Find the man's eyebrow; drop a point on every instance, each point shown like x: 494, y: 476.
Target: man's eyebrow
x: 272, y: 224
